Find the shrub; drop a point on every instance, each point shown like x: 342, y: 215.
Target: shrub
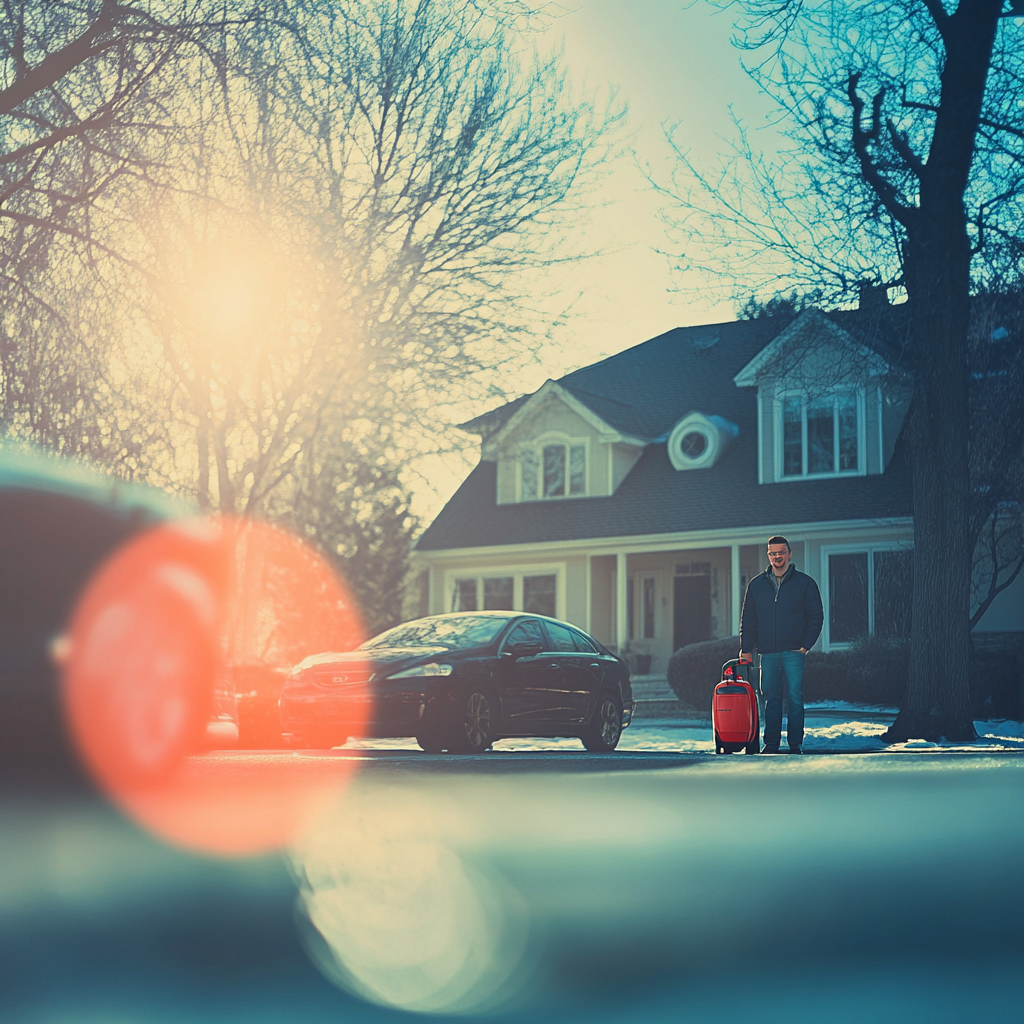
x: 871, y: 672
x: 996, y: 684
x: 874, y: 672
x: 694, y: 670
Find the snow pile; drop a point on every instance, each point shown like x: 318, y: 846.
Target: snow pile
x: 833, y: 728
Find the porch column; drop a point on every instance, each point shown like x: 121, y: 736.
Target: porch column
x: 737, y: 597
x: 590, y: 595
x: 621, y: 615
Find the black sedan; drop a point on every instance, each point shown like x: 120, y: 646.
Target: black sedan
x: 459, y: 682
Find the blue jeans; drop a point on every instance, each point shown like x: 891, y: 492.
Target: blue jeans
x: 786, y: 667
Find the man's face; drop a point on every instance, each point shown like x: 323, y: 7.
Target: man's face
x: 779, y: 556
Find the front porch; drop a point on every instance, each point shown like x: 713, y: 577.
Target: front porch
x: 645, y: 605
x: 646, y: 597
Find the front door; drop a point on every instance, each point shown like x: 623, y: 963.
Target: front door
x: 691, y: 613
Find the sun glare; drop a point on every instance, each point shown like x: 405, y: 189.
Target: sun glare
x: 234, y: 290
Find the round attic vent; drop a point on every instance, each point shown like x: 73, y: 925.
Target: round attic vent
x: 693, y: 444
x: 698, y: 441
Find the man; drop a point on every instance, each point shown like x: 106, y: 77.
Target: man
x: 781, y: 619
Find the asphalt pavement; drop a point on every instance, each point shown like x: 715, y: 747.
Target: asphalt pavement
x: 550, y: 885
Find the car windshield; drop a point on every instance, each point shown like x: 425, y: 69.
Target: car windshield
x: 456, y: 631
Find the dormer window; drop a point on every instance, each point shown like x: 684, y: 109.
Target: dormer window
x: 554, y: 470
x: 820, y: 436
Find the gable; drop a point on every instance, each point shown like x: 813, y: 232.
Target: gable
x: 815, y: 353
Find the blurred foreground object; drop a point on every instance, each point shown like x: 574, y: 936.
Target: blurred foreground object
x: 58, y: 522
x: 855, y: 886
x: 161, y: 626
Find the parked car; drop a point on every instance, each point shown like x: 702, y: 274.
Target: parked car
x: 459, y: 682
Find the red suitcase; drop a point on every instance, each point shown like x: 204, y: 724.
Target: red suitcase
x: 734, y: 711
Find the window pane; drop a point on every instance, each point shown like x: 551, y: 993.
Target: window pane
x: 528, y: 632
x: 848, y: 597
x: 561, y: 638
x: 820, y: 436
x: 539, y: 595
x: 439, y: 631
x: 498, y: 593
x: 894, y: 584
x: 554, y: 471
x: 577, y: 469
x: 464, y: 598
x: 529, y: 465
x: 584, y: 644
x: 792, y: 437
x: 648, y: 606
x: 847, y: 432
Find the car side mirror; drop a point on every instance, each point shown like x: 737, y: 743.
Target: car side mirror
x: 525, y: 649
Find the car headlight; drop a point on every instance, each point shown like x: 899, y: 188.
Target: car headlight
x: 433, y: 669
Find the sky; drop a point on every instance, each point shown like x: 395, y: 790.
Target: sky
x: 671, y: 62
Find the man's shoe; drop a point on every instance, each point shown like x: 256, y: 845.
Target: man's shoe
x: 769, y: 750
x: 795, y: 750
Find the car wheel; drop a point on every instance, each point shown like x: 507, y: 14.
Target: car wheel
x: 474, y: 725
x: 602, y: 736
x: 719, y: 745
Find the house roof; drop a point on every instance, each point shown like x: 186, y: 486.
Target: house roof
x: 643, y: 392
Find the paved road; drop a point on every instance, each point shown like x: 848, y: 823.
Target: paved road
x: 583, y: 887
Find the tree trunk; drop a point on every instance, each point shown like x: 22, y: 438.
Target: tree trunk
x: 937, y: 263
x: 937, y: 702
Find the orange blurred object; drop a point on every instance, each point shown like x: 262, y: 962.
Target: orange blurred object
x: 156, y: 632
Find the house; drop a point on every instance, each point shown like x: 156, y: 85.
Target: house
x: 634, y: 496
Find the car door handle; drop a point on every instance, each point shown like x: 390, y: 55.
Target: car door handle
x: 595, y: 664
x: 554, y: 664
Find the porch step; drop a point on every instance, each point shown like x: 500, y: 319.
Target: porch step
x: 652, y: 687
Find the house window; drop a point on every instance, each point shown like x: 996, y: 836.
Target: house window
x: 869, y: 594
x: 464, y: 598
x: 820, y: 436
x: 498, y: 592
x: 509, y: 590
x: 539, y: 593
x: 554, y: 471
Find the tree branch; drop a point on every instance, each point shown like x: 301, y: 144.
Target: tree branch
x: 861, y: 140
x: 939, y: 16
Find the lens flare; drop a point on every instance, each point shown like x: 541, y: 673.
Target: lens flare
x: 149, y: 661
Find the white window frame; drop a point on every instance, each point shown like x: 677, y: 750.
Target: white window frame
x: 779, y: 430
x: 826, y: 587
x: 517, y: 572
x: 537, y: 448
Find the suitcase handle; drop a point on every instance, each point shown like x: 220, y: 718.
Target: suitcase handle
x: 737, y: 669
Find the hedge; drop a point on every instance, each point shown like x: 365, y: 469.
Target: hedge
x: 873, y: 672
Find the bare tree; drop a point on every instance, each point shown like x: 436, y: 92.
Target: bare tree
x: 908, y: 138
x: 396, y: 173
x: 90, y: 95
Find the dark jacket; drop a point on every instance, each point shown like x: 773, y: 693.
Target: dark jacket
x: 785, y: 619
